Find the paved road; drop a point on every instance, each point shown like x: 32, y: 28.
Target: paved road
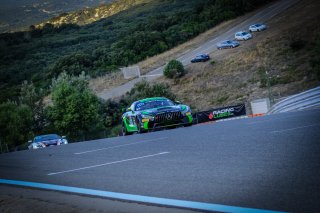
x: 269, y: 162
x: 208, y: 47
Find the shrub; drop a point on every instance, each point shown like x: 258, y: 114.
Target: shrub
x: 174, y: 69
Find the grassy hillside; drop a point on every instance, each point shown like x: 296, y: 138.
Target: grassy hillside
x: 288, y: 51
x: 90, y: 15
x: 143, y: 30
x: 17, y: 15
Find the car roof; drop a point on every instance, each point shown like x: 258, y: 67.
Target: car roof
x: 152, y: 99
x: 201, y: 55
x: 47, y: 135
x: 41, y: 137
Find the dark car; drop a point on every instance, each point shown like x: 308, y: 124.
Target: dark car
x: 42, y: 141
x: 154, y: 113
x: 200, y: 58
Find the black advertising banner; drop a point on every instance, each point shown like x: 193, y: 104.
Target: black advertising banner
x: 220, y: 113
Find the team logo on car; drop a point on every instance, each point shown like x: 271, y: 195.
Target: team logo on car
x: 169, y: 116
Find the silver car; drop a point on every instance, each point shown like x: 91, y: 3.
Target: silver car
x: 43, y: 141
x: 227, y: 44
x: 242, y: 35
x: 257, y: 27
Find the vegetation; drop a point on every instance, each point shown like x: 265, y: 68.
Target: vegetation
x: 144, y: 30
x: 15, y: 122
x: 75, y: 109
x: 174, y: 69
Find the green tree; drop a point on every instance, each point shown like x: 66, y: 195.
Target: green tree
x: 33, y: 98
x: 75, y: 109
x: 15, y: 124
x: 72, y: 64
x: 174, y: 69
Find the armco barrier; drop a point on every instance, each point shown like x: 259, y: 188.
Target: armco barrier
x: 304, y: 100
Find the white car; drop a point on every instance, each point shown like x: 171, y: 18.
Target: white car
x: 242, y: 35
x: 257, y: 27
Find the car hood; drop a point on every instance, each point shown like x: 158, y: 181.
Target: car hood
x: 50, y: 142
x: 160, y: 110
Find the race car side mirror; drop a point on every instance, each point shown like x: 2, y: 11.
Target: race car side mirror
x: 128, y: 109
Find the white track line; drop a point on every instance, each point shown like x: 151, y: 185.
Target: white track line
x: 301, y: 127
x: 105, y: 164
x: 112, y: 147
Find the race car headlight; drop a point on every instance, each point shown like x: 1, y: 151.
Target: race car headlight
x: 37, y: 145
x: 146, y: 118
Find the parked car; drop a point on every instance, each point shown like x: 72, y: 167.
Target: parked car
x: 43, y: 141
x: 154, y: 113
x: 243, y: 35
x: 200, y: 58
x: 257, y: 27
x: 227, y: 44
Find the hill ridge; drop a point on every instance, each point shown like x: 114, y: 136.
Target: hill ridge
x: 90, y: 15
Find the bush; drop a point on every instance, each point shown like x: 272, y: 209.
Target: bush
x: 15, y: 124
x: 174, y: 69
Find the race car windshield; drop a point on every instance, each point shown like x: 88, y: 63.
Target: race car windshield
x: 46, y: 138
x: 153, y: 104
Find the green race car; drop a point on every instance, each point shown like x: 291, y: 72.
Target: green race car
x: 154, y: 113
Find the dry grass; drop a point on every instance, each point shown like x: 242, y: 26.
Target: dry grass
x: 238, y: 75
x: 106, y: 82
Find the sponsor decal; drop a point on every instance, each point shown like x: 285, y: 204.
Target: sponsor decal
x: 220, y: 113
x: 211, y: 116
x: 169, y: 116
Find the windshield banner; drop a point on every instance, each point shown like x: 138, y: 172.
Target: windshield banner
x: 220, y: 113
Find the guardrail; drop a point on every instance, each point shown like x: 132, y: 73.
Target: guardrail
x: 304, y: 100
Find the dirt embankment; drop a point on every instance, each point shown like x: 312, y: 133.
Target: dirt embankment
x: 279, y: 56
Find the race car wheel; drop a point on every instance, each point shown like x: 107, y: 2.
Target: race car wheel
x: 187, y: 125
x: 124, y: 131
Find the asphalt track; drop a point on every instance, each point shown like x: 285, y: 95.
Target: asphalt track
x: 264, y: 163
x: 261, y: 16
